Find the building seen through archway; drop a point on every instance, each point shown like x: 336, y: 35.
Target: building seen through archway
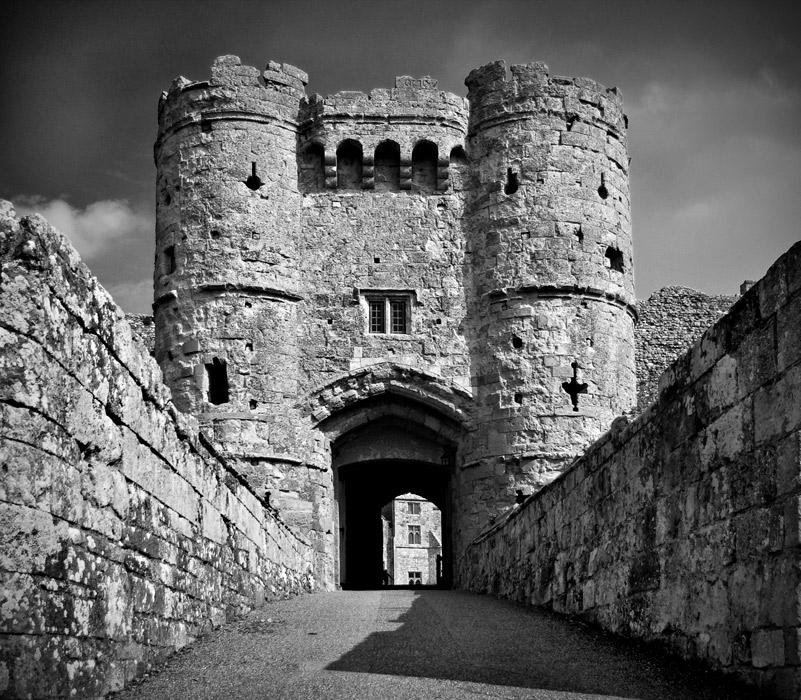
x: 412, y: 541
x: 365, y: 491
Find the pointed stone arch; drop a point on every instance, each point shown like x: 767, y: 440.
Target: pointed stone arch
x: 418, y: 386
x: 393, y: 429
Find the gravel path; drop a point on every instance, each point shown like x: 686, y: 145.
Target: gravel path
x: 382, y: 645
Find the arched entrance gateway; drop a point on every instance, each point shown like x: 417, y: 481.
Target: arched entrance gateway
x: 396, y: 442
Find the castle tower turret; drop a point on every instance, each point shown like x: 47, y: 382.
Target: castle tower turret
x: 227, y: 283
x: 551, y: 297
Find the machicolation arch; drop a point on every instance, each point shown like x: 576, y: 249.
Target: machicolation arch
x: 386, y: 169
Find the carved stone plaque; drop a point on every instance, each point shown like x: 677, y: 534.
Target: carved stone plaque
x: 424, y: 83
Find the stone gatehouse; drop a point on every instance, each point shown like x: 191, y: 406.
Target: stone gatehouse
x: 361, y: 295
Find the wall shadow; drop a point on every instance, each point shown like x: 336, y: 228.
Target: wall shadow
x: 546, y: 652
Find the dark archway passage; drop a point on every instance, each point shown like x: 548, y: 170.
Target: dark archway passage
x: 397, y: 433
x: 363, y: 489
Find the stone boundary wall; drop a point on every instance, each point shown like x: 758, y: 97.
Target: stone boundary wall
x: 682, y: 527
x: 670, y: 320
x: 124, y: 535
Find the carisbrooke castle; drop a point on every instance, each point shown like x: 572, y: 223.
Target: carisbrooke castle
x: 368, y: 295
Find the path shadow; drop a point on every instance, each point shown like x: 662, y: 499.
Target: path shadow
x: 544, y: 652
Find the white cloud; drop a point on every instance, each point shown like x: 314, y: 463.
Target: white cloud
x: 93, y: 230
x: 113, y: 238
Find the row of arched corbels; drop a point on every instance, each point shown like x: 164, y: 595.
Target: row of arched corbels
x: 423, y: 170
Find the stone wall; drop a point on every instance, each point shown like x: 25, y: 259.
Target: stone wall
x: 670, y: 320
x: 683, y: 526
x: 124, y: 534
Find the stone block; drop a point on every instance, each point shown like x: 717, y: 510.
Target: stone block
x: 767, y: 648
x: 792, y: 522
x: 788, y: 334
x: 788, y: 461
x: 32, y: 541
x: 756, y: 358
x: 777, y: 407
x: 721, y: 389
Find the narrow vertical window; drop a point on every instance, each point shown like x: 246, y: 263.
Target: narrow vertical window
x: 397, y: 310
x: 217, y: 373
x: 254, y: 181
x: 377, y: 316
x: 512, y: 182
x: 169, y: 260
x: 457, y: 169
x: 414, y: 534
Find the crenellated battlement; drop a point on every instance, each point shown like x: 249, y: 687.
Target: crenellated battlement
x: 409, y: 94
x: 524, y: 79
x: 386, y: 104
x: 285, y: 74
x: 414, y: 110
x: 498, y: 94
x: 234, y: 92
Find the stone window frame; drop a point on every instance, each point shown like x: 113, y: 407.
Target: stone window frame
x: 217, y: 384
x: 415, y: 578
x: 413, y: 507
x: 169, y: 263
x: 414, y: 534
x: 380, y: 309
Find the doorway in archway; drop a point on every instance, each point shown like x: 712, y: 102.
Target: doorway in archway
x: 384, y: 447
x: 367, y: 487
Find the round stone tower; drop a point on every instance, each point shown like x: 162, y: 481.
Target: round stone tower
x: 227, y: 284
x: 550, y: 288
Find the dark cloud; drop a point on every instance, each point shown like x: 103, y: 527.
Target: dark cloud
x: 712, y: 89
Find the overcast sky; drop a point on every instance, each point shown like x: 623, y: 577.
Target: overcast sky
x: 712, y: 91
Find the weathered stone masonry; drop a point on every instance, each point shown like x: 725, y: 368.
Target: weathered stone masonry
x: 684, y: 526
x: 668, y: 322
x: 362, y: 296
x: 496, y: 227
x: 124, y: 534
